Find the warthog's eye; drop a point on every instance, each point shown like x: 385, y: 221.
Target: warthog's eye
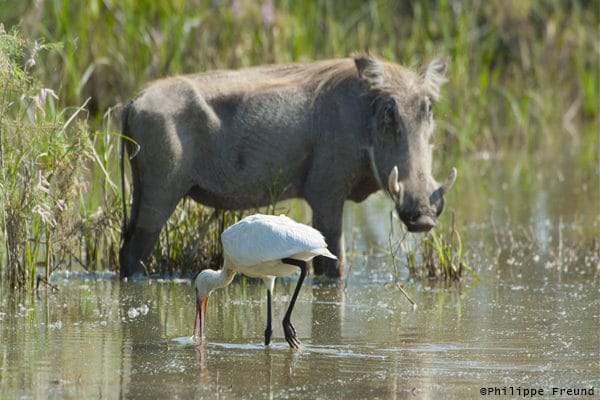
x: 427, y: 107
x: 388, y: 116
x: 390, y: 112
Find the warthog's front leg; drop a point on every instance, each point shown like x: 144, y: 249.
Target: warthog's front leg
x: 328, y: 220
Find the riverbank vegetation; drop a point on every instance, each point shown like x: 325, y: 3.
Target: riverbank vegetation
x: 524, y: 76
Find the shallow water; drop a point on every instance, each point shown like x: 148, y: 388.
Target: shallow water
x: 530, y: 323
x: 104, y: 338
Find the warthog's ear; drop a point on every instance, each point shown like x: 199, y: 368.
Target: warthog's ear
x: 434, y: 76
x: 370, y: 71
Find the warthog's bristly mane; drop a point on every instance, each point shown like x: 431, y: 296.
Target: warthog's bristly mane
x: 324, y: 76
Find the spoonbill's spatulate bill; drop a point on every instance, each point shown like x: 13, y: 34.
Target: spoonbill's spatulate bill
x: 262, y: 246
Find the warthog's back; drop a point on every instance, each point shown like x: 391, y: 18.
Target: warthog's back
x: 227, y: 133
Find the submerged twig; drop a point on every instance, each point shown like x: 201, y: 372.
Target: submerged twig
x: 410, y: 300
x: 393, y: 254
x: 345, y: 282
x: 41, y: 279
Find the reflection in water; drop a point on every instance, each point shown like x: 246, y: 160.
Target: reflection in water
x: 532, y: 321
x: 327, y: 308
x: 201, y: 359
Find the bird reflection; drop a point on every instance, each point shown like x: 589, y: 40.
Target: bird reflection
x: 202, y: 360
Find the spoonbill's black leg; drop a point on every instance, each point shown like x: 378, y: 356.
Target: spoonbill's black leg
x: 268, y: 329
x: 288, y: 327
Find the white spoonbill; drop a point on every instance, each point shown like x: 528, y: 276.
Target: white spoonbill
x: 262, y: 246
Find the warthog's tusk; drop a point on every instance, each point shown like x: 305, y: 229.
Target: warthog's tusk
x: 394, y: 186
x: 449, y: 182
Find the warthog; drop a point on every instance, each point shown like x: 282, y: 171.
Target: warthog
x: 325, y: 132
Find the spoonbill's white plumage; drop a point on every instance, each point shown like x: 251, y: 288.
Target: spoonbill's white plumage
x: 262, y: 246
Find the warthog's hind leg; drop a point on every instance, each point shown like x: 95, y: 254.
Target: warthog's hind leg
x: 149, y: 214
x: 136, y: 249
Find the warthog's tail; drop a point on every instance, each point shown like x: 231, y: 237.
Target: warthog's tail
x: 122, y: 167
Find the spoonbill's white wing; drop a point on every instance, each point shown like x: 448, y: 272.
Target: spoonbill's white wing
x: 258, y: 239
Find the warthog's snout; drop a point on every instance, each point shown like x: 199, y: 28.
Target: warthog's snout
x: 419, y: 213
x: 422, y: 223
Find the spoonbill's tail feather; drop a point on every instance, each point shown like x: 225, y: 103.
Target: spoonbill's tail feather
x: 325, y: 253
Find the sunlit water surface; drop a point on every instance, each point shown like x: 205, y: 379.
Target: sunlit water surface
x: 532, y: 322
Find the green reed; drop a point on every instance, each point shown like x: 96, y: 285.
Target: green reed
x: 503, y: 54
x: 437, y: 254
x: 44, y: 152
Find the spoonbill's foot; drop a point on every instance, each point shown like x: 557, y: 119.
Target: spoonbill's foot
x: 290, y: 334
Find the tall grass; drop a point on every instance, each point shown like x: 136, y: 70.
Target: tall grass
x: 503, y: 53
x: 45, y: 151
x: 519, y: 69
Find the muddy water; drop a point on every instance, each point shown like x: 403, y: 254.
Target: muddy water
x: 530, y: 324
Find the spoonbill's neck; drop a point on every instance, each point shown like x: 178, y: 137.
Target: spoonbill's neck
x: 209, y: 279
